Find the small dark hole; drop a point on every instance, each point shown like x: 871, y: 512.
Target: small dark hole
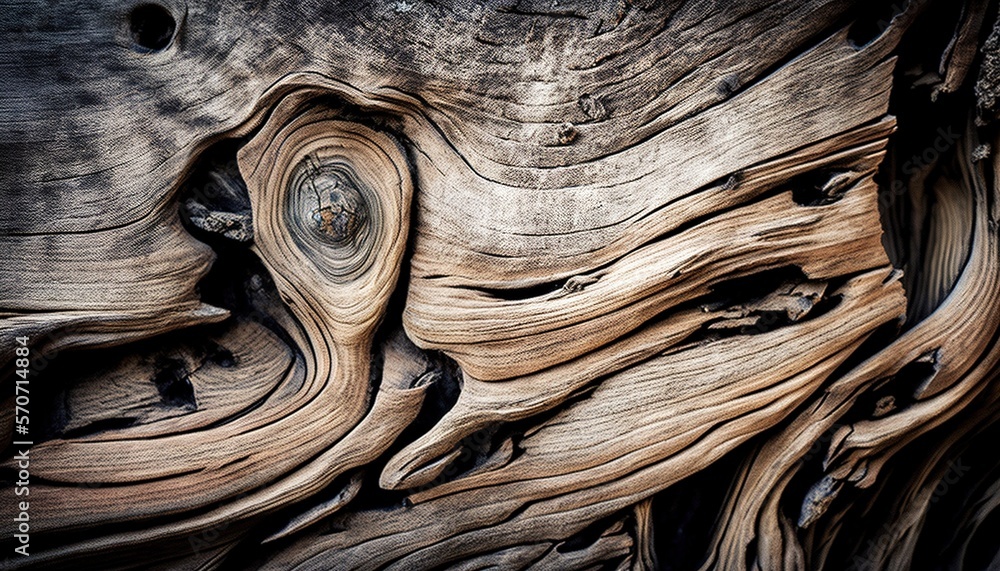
x: 819, y: 188
x: 872, y: 21
x: 174, y: 385
x: 220, y: 356
x: 152, y: 27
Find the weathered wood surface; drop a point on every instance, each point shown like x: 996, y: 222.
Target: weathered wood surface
x: 574, y: 285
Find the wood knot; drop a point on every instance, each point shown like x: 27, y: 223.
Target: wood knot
x: 330, y: 201
x: 329, y: 198
x: 729, y: 85
x: 592, y: 107
x: 733, y: 182
x: 566, y: 134
x: 884, y: 406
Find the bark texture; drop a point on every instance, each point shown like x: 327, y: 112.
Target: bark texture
x: 518, y: 284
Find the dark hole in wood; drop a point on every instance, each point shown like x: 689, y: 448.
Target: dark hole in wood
x: 689, y: 509
x: 873, y: 19
x: 899, y: 387
x: 152, y: 27
x: 590, y: 535
x: 819, y: 188
x: 221, y: 356
x: 174, y: 385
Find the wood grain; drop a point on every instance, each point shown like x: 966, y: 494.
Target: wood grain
x: 575, y: 285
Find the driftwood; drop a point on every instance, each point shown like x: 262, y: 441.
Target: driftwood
x: 550, y: 285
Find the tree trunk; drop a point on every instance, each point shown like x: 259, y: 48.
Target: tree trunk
x: 527, y: 284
